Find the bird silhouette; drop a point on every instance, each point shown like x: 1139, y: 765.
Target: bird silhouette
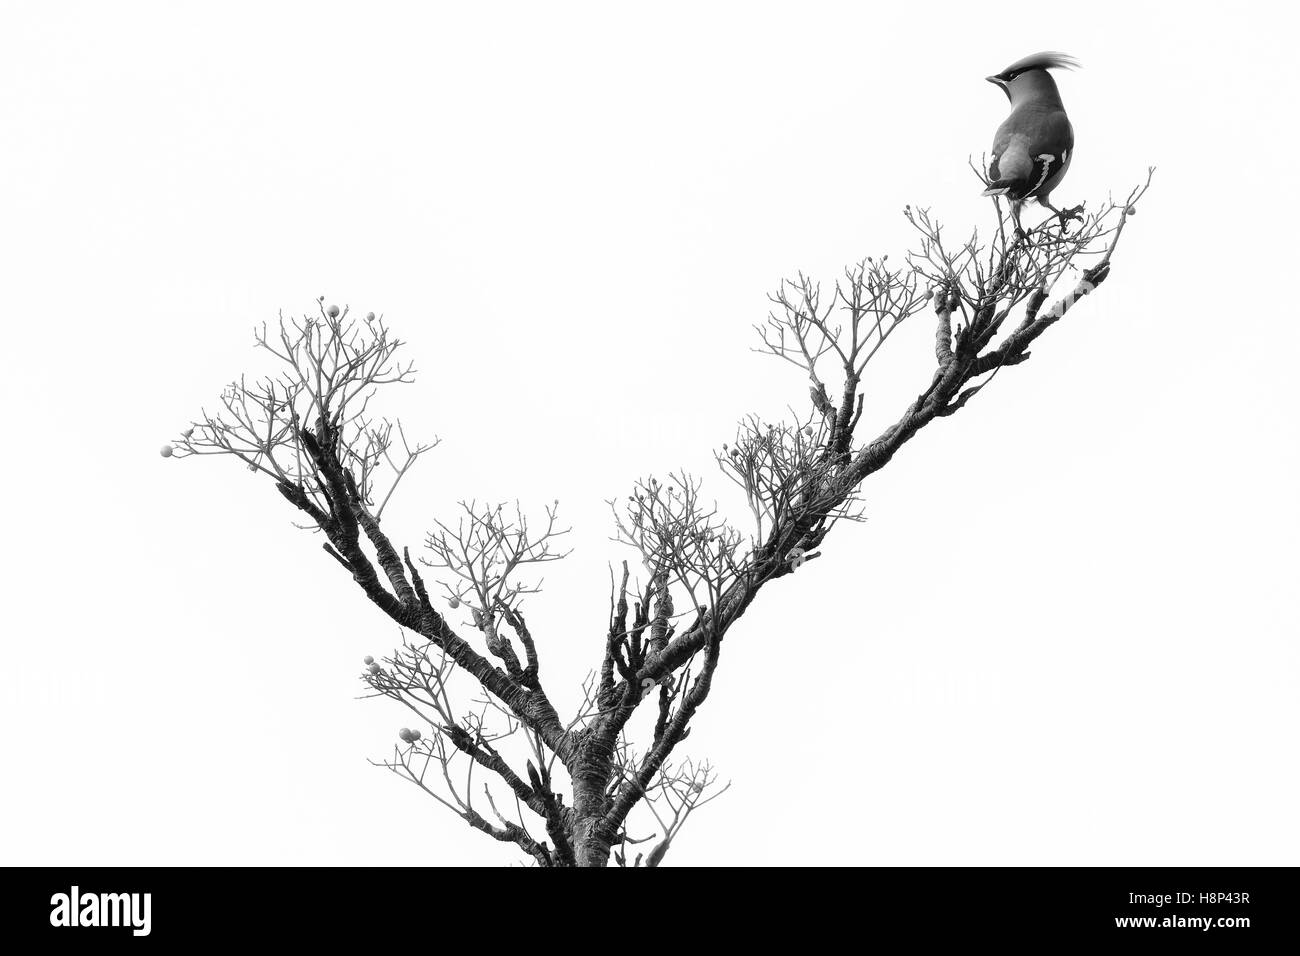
x: 1033, y: 147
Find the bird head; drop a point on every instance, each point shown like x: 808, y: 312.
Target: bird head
x: 1028, y: 78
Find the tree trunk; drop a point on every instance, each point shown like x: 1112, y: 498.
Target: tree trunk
x: 591, y: 771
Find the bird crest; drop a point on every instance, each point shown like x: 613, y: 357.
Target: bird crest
x: 1047, y: 60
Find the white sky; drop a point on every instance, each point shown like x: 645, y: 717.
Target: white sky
x: 1067, y: 632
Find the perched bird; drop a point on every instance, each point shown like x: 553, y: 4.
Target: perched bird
x: 1033, y: 146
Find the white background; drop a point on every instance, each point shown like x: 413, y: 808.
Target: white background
x: 1065, y: 635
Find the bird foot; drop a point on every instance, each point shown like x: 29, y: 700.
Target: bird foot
x: 1074, y: 212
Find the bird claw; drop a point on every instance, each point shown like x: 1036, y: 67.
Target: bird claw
x: 1074, y: 212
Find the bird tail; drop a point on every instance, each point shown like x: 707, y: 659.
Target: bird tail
x: 998, y: 188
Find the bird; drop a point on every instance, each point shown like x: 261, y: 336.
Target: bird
x: 1033, y: 147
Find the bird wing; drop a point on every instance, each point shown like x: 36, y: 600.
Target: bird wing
x: 1030, y: 152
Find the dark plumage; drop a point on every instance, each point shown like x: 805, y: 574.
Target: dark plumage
x: 1034, y: 145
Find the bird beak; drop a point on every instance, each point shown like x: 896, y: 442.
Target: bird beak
x: 996, y: 81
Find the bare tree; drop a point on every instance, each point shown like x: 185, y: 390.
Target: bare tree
x: 563, y: 789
